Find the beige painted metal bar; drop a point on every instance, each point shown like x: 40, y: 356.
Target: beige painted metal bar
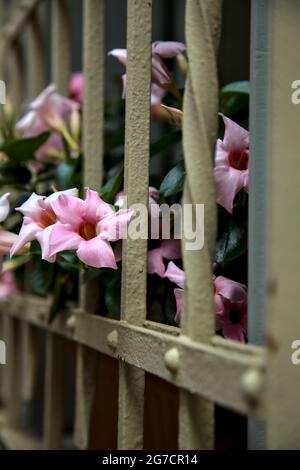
x: 20, y: 18
x: 203, y: 21
x: 36, y: 51
x: 13, y: 371
x: 60, y: 45
x: 93, y: 121
x: 134, y: 270
x: 283, y: 256
x: 17, y: 85
x: 54, y: 391
x: 146, y: 347
x: 53, y: 405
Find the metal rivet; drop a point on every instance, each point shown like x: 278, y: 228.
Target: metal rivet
x: 71, y: 322
x: 112, y: 339
x: 251, y: 383
x: 172, y: 359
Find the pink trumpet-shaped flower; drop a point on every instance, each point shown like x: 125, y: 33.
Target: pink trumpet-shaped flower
x: 76, y: 87
x: 167, y: 249
x: 231, y: 308
x: 176, y: 275
x: 161, y: 75
x: 231, y: 163
x: 38, y: 222
x: 153, y: 197
x: 87, y: 226
x: 47, y: 111
x: 7, y: 239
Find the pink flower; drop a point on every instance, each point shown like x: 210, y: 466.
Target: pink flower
x: 38, y: 222
x: 7, y: 239
x: 47, y: 111
x: 76, y: 87
x: 51, y: 149
x: 176, y: 275
x: 153, y: 197
x: 87, y: 226
x: 161, y: 76
x: 231, y: 308
x: 167, y: 249
x: 231, y: 163
x: 8, y: 286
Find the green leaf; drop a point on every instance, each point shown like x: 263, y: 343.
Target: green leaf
x: 113, y: 296
x: 242, y: 87
x: 41, y: 277
x: 234, y: 97
x: 232, y: 244
x: 12, y: 173
x: 65, y: 175
x: 173, y: 182
x: 113, y: 185
x: 22, y: 150
x: 165, y: 142
x: 170, y: 307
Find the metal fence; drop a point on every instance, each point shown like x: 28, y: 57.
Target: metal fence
x: 257, y: 381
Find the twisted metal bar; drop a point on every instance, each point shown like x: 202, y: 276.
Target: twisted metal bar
x: 203, y: 20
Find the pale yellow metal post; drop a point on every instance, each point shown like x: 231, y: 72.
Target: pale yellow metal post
x: 94, y: 62
x: 283, y: 255
x: 134, y: 271
x: 53, y: 404
x: 203, y: 21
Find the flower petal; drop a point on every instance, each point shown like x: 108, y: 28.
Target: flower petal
x: 97, y: 253
x: 175, y: 274
x: 113, y: 227
x: 229, y: 182
x: 43, y: 238
x: 120, y: 54
x: 236, y: 138
x: 234, y: 332
x: 168, y: 49
x: 27, y: 233
x: 31, y: 208
x: 62, y: 237
x: 4, y: 206
x: 69, y: 209
x: 171, y: 249
x: 179, y: 301
x: 96, y: 208
x: 155, y: 262
x: 231, y: 290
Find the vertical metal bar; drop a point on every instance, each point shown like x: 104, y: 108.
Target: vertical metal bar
x: 54, y: 388
x: 283, y: 255
x: 53, y: 405
x: 203, y: 21
x: 60, y: 41
x: 131, y: 380
x: 16, y: 76
x: 36, y: 50
x: 13, y: 371
x: 259, y: 118
x: 93, y: 121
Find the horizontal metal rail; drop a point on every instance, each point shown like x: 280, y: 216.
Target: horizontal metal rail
x: 204, y: 369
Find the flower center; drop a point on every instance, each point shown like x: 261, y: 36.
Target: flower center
x: 47, y: 217
x: 239, y: 160
x: 235, y: 316
x: 87, y: 230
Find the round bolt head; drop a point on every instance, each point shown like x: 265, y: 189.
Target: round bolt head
x: 172, y: 359
x: 112, y: 339
x: 251, y: 383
